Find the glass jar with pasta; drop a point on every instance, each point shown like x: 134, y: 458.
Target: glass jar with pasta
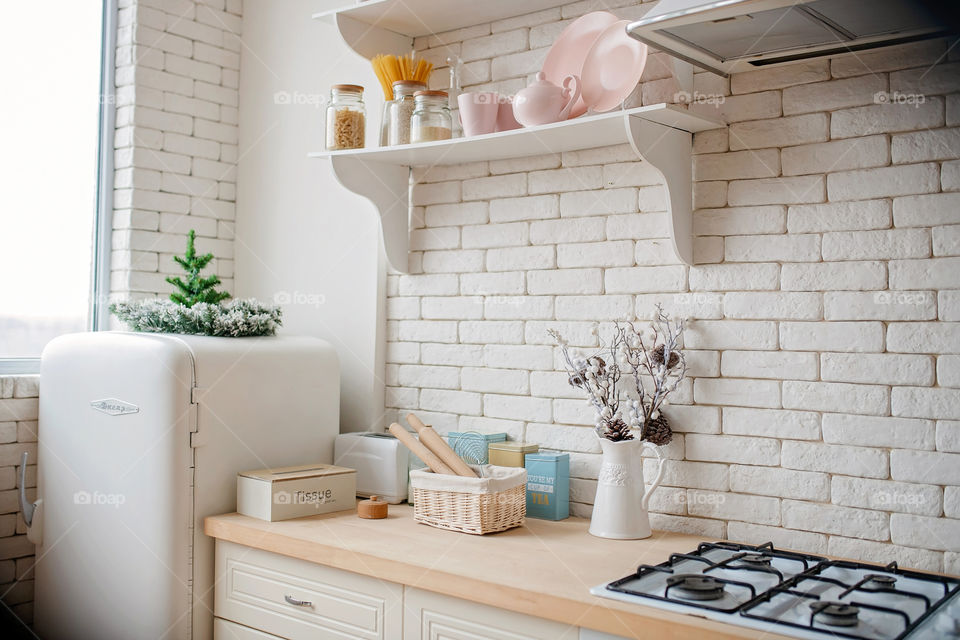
x: 346, y: 117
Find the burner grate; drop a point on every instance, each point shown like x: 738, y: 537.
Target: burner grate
x: 706, y: 590
x: 837, y: 614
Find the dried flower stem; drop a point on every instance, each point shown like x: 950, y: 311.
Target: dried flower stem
x: 656, y: 351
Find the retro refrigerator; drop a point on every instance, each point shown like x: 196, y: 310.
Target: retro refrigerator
x: 141, y: 437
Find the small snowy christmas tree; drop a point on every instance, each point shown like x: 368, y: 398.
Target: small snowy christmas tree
x: 197, y: 307
x: 195, y: 289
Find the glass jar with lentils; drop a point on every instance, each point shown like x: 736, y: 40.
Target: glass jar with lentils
x: 431, y: 117
x: 401, y: 110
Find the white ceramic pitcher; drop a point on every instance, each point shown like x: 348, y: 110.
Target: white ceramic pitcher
x: 620, y: 508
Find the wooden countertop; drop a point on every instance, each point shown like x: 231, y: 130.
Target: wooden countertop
x: 543, y: 568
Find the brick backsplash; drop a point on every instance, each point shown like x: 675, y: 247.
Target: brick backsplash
x: 177, y: 79
x: 19, y: 400
x: 822, y: 411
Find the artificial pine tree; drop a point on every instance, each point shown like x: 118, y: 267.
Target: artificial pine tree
x: 197, y: 307
x: 196, y: 288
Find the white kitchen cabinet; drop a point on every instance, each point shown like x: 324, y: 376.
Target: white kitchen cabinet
x: 258, y: 592
x: 431, y: 616
x: 226, y: 630
x: 301, y: 600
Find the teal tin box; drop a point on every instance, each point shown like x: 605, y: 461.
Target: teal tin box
x: 548, y: 485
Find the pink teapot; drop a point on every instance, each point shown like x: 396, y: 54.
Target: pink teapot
x: 543, y: 102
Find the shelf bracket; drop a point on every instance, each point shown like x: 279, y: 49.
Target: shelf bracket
x: 670, y: 152
x: 387, y: 187
x: 369, y: 40
x: 683, y: 74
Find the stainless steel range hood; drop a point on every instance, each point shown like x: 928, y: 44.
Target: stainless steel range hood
x: 724, y: 36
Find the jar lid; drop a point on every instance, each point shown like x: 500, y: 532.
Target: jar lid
x: 515, y: 447
x: 438, y: 94
x: 548, y: 456
x: 347, y: 87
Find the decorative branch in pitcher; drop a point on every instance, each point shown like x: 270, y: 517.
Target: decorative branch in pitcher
x: 651, y: 355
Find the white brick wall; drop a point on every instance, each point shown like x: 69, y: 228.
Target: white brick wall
x: 18, y: 433
x: 176, y: 139
x: 823, y: 412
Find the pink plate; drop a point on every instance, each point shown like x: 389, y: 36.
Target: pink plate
x: 567, y: 55
x: 613, y: 68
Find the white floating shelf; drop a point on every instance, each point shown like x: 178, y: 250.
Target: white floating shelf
x: 586, y: 132
x: 413, y: 18
x: 660, y: 134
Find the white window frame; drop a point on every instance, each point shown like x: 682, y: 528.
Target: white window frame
x: 98, y: 315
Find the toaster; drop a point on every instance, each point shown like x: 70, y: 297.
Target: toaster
x: 381, y: 462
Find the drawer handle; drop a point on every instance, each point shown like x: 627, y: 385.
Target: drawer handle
x: 297, y: 603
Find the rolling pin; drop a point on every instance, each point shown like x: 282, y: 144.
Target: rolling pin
x: 429, y: 458
x: 432, y: 440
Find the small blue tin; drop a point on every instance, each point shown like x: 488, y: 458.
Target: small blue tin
x: 548, y: 485
x: 472, y: 446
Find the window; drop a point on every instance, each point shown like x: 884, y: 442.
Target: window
x: 52, y: 54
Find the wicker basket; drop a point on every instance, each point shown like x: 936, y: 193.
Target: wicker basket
x: 495, y: 502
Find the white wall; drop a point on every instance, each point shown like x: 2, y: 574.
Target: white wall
x: 299, y: 233
x: 822, y: 409
x: 821, y: 412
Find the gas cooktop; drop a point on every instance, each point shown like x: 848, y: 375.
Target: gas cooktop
x: 796, y: 594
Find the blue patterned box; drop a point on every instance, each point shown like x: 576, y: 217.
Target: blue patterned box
x: 548, y: 485
x: 474, y: 444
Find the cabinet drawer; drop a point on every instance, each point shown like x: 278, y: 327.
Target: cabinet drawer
x: 431, y: 616
x: 260, y: 589
x: 226, y: 630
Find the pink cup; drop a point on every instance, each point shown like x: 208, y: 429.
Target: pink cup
x: 478, y: 112
x: 505, y: 119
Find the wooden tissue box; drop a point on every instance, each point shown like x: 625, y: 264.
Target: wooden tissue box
x: 294, y: 492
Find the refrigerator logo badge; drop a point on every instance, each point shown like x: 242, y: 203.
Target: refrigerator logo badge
x: 114, y: 407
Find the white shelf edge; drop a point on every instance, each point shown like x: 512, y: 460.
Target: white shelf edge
x: 432, y: 17
x: 328, y: 14
x: 381, y: 174
x: 662, y: 113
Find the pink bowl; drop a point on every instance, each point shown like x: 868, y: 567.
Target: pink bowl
x: 569, y: 51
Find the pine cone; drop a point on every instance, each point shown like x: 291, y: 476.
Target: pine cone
x: 658, y: 431
x: 657, y: 357
x: 617, y: 430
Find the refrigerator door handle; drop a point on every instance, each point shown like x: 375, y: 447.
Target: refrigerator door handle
x: 30, y: 510
x: 26, y: 507
x: 297, y: 603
